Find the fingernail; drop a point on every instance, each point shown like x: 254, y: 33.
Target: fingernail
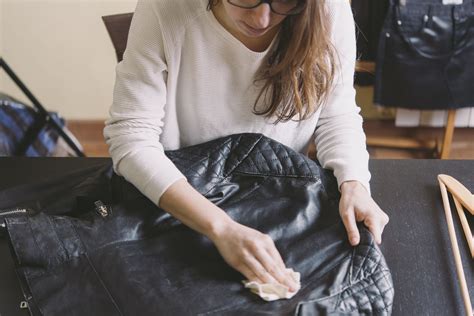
x: 354, y: 241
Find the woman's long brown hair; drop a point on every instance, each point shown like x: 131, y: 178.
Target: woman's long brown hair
x: 298, y: 75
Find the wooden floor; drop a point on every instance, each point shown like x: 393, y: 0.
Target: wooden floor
x: 89, y: 134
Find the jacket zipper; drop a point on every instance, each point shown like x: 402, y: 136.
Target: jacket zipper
x: 11, y: 212
x: 14, y: 211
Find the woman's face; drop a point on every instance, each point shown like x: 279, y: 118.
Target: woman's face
x: 251, y: 23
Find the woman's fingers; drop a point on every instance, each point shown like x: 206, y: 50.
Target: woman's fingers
x: 349, y: 220
x: 272, y: 250
x: 259, y: 271
x: 254, y: 255
x: 374, y: 227
x: 248, y: 273
x: 356, y: 205
x: 271, y: 265
x: 376, y: 223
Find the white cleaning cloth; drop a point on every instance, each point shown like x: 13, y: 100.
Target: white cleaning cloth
x: 271, y: 291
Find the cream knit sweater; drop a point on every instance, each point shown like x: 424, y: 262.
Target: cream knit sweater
x: 185, y: 80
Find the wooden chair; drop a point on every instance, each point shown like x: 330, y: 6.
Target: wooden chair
x: 442, y: 151
x: 117, y: 26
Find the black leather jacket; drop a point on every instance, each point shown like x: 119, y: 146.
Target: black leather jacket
x: 128, y: 257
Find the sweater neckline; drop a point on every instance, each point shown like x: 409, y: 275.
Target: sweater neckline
x: 226, y: 35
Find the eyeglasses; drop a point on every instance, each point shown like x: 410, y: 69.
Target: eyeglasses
x: 282, y: 7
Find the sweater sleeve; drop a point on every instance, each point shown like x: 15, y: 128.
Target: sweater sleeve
x: 339, y: 136
x: 135, y: 121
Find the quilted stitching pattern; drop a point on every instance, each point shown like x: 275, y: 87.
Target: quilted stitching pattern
x: 251, y: 153
x: 371, y: 287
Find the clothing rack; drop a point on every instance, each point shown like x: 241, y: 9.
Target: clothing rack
x: 441, y: 150
x: 41, y: 121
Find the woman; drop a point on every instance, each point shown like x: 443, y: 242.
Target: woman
x: 196, y: 70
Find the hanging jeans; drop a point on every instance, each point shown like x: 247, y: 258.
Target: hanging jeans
x: 91, y: 244
x: 426, y: 56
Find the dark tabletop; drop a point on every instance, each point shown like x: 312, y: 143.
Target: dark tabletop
x: 415, y: 243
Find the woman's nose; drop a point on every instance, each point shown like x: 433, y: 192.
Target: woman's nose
x: 261, y: 16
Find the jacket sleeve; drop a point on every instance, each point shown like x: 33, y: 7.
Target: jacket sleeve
x: 339, y: 136
x: 136, y: 116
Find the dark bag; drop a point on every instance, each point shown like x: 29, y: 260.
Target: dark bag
x: 23, y: 131
x: 94, y: 245
x: 426, y: 56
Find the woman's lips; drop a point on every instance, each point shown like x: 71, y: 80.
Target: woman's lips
x: 254, y: 31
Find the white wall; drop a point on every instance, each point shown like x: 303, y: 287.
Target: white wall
x: 62, y: 52
x: 1, y: 29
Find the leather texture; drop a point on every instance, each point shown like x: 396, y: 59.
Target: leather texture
x: 425, y: 56
x: 137, y: 259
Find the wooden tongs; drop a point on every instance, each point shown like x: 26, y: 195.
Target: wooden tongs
x: 462, y: 197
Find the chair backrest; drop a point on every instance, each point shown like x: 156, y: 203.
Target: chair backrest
x: 117, y: 26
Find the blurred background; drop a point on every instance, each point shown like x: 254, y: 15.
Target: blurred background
x: 61, y: 51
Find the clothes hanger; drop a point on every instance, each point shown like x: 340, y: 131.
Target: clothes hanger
x: 462, y: 197
x: 459, y: 191
x: 454, y: 242
x: 465, y: 226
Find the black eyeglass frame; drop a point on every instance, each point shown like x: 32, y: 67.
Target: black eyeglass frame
x: 295, y: 11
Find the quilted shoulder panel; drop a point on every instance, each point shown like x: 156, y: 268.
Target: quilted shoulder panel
x: 244, y: 153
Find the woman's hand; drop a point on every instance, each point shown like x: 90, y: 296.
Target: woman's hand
x: 253, y: 254
x: 356, y: 205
